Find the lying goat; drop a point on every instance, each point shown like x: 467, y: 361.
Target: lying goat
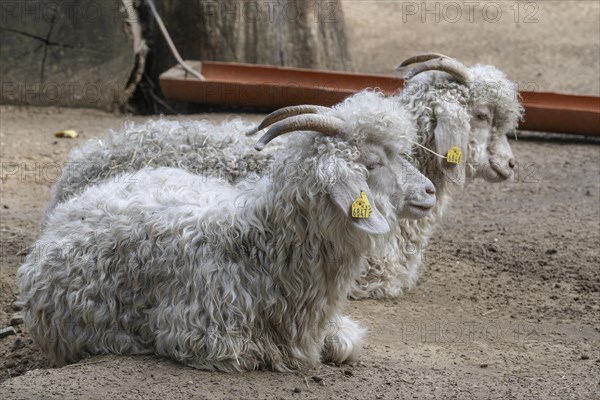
x: 223, y: 277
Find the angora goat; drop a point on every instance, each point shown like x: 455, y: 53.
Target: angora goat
x: 219, y: 277
x: 473, y: 109
x: 479, y: 101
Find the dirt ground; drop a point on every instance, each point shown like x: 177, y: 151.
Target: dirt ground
x: 509, y: 305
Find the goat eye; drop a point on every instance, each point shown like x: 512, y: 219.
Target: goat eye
x: 482, y: 117
x: 371, y: 167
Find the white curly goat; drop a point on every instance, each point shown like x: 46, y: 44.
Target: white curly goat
x: 222, y: 277
x: 473, y: 108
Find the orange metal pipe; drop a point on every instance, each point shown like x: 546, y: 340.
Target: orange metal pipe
x: 269, y: 87
x: 563, y: 113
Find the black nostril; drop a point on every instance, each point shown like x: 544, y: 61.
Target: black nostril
x: 512, y: 163
x: 430, y: 189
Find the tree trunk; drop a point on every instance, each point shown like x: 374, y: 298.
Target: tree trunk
x: 306, y: 34
x: 66, y: 53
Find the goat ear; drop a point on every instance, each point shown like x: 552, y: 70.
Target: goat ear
x: 345, y: 192
x: 452, y: 130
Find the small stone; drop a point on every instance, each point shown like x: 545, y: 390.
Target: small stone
x: 4, y: 332
x: 585, y: 357
x: 297, y: 390
x: 190, y: 382
x: 18, y: 344
x: 316, y: 378
x: 17, y: 319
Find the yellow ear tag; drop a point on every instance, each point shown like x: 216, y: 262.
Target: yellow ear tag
x: 361, y: 208
x: 454, y: 155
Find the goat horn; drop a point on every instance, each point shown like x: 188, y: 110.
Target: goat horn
x: 449, y: 65
x: 330, y: 126
x: 420, y: 58
x: 284, y: 113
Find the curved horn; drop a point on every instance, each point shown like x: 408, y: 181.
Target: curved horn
x: 330, y: 126
x: 420, y: 58
x: 449, y: 65
x: 286, y: 112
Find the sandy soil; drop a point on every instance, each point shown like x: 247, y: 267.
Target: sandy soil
x: 508, y: 306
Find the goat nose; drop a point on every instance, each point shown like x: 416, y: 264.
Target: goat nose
x: 512, y: 163
x: 430, y: 189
